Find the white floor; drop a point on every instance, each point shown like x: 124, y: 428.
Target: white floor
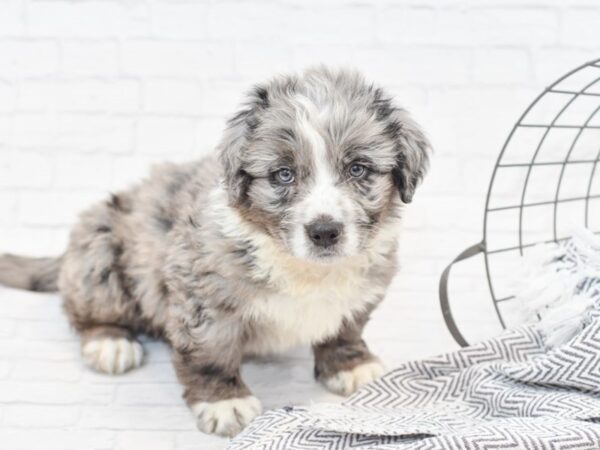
x: 49, y: 400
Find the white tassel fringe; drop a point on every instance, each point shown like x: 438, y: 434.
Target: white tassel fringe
x: 561, y: 285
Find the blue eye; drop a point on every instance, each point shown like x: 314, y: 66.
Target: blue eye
x: 357, y: 170
x: 285, y: 175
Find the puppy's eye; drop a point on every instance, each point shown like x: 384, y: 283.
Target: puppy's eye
x: 285, y: 175
x: 357, y: 170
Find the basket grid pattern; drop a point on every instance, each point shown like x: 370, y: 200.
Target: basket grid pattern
x: 544, y: 183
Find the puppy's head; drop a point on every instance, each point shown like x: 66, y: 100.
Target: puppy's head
x: 318, y: 160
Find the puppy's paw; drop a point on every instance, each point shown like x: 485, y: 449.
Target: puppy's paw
x: 226, y: 417
x: 113, y: 356
x: 347, y: 382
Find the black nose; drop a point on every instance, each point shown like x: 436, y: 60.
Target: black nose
x: 324, y: 234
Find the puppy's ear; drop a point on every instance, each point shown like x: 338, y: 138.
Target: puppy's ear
x: 412, y: 153
x: 238, y: 135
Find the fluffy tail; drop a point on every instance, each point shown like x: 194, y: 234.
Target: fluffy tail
x: 32, y: 274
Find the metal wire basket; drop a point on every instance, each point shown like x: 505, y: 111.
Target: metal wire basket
x: 543, y: 183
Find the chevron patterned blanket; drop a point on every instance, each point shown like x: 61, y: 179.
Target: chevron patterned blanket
x: 514, y: 391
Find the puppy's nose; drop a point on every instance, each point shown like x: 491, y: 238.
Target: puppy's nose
x: 324, y: 233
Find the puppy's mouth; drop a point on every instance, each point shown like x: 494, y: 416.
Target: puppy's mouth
x: 325, y: 255
x: 311, y: 253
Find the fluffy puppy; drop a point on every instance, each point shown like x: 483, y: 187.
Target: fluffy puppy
x: 287, y: 236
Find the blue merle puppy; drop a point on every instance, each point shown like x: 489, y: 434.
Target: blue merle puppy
x: 286, y: 236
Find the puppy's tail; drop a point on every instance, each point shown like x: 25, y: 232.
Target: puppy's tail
x: 32, y: 274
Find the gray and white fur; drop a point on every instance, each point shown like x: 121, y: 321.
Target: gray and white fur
x: 287, y: 236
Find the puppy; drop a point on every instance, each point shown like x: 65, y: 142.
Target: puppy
x: 287, y: 236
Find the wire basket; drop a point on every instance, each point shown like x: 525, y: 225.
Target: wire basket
x: 544, y: 183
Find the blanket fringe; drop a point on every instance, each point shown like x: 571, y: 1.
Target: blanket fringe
x: 561, y: 285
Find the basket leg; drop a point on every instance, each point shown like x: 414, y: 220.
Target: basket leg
x: 443, y: 293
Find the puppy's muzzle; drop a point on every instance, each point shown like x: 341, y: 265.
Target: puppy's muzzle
x: 324, y: 233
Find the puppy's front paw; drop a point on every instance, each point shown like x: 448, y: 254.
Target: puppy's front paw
x: 226, y: 417
x: 347, y: 382
x: 111, y: 355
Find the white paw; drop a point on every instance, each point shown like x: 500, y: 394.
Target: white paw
x: 347, y: 382
x: 226, y: 417
x: 112, y: 356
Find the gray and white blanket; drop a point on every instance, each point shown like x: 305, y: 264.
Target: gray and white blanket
x: 516, y: 391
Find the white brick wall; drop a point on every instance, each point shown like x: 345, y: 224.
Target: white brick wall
x: 93, y: 92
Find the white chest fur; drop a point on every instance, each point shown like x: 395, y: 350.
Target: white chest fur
x: 307, y: 302
x: 307, y: 314
x: 303, y: 302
